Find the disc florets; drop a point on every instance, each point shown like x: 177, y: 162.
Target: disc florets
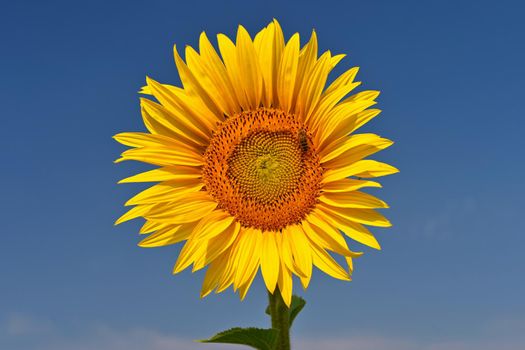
x: 261, y: 168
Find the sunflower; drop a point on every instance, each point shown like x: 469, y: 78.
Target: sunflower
x: 259, y: 163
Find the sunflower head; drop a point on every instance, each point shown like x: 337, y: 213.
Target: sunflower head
x: 259, y: 162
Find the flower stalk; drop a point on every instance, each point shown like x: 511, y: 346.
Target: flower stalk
x: 280, y: 315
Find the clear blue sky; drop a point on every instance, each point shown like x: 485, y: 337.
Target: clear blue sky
x: 450, y: 275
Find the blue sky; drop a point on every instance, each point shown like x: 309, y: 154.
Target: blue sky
x: 450, y: 275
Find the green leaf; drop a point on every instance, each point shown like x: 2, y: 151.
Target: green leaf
x: 296, y: 306
x: 258, y: 338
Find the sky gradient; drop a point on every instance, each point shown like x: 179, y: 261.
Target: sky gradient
x: 450, y: 275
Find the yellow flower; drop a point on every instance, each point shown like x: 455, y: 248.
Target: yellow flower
x: 259, y: 163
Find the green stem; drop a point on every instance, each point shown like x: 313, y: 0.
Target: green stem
x: 280, y: 319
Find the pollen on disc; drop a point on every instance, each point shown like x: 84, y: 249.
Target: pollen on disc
x: 258, y: 169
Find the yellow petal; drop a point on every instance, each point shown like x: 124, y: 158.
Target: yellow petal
x: 162, y: 156
x: 354, y: 199
x: 249, y: 70
x: 279, y: 36
x: 350, y: 263
x: 285, y: 284
x: 377, y: 169
x: 218, y: 244
x: 362, y: 168
x: 305, y: 281
x: 197, y: 250
x: 140, y: 139
x: 353, y: 148
x: 328, y: 131
x: 159, y: 120
x: 357, y: 153
x: 288, y: 252
x: 345, y: 185
x: 228, y: 272
x: 197, y: 90
x: 278, y: 50
x: 346, y: 124
x: 265, y: 46
x: 285, y: 251
x: 212, y: 225
x: 270, y: 263
x: 307, y: 61
x: 217, y: 71
x: 167, y: 191
x: 165, y: 174
x: 301, y: 250
x: 229, y: 56
x: 364, y: 216
x: 351, y: 228
x: 243, y: 289
x: 287, y: 73
x: 190, y: 208
x: 169, y: 235
x: 362, y: 118
x: 151, y: 226
x: 364, y: 95
x: 133, y: 213
x: 258, y: 39
x: 336, y: 59
x: 327, y: 102
x: 190, y: 252
x: 325, y: 235
x: 213, y: 274
x: 324, y: 262
x: 251, y: 270
x: 311, y: 92
x: 344, y: 79
x: 226, y: 279
x: 247, y: 256
x: 145, y: 90
x: 202, y: 85
x: 188, y: 112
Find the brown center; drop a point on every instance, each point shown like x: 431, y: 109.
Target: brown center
x: 262, y: 168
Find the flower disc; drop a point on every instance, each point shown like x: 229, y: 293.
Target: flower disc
x: 260, y: 168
